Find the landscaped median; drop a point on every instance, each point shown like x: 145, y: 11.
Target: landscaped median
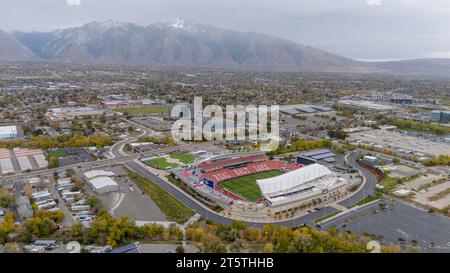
x: 326, y: 217
x: 174, y: 209
x: 360, y: 203
x: 364, y: 201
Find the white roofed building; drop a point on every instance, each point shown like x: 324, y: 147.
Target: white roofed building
x: 103, y: 185
x: 98, y: 173
x: 101, y: 181
x: 8, y: 132
x: 303, y: 188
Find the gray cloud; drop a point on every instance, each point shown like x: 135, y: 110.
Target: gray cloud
x: 396, y: 29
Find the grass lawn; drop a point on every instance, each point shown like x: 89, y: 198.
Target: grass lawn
x: 174, y: 209
x: 419, y: 131
x: 183, y: 157
x: 160, y: 163
x: 390, y: 183
x: 246, y: 186
x: 326, y: 217
x: 57, y: 153
x: 141, y: 111
x: 364, y: 201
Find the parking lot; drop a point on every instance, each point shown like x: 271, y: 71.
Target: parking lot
x: 74, y: 156
x: 401, y: 223
x: 129, y: 200
x: 400, y: 142
x: 153, y: 123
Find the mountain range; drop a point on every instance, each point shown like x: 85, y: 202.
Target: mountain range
x: 187, y: 44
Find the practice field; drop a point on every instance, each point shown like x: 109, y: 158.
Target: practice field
x: 141, y: 111
x: 246, y: 186
x: 183, y: 157
x: 160, y: 163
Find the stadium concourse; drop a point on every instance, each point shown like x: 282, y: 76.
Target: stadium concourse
x: 255, y: 184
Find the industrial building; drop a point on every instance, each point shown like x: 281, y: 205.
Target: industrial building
x: 23, y: 157
x: 303, y: 109
x: 101, y: 181
x: 309, y: 158
x: 440, y: 116
x: 8, y: 132
x: 72, y: 112
x: 98, y: 173
x: 103, y: 185
x: 6, y: 165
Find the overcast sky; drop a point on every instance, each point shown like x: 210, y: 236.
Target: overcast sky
x: 360, y: 29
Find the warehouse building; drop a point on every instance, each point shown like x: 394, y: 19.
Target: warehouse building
x: 309, y: 158
x: 103, y: 185
x: 8, y: 132
x: 6, y: 165
x: 101, y: 181
x: 440, y: 116
x: 98, y: 173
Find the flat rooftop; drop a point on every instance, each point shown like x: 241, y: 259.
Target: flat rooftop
x: 396, y: 140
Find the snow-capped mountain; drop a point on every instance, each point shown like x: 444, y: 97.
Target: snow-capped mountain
x: 180, y: 43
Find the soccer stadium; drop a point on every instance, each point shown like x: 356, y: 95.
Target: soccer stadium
x: 256, y: 181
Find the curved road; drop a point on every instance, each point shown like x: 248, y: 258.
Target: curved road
x: 366, y: 189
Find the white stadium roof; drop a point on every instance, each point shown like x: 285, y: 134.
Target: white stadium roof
x: 293, y: 179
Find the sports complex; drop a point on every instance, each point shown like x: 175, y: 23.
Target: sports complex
x: 255, y: 183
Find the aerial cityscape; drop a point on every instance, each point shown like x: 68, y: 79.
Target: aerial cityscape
x: 180, y: 136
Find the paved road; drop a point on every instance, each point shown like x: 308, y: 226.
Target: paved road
x: 368, y: 187
x: 106, y: 162
x: 116, y: 148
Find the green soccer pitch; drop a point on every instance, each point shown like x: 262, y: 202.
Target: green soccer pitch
x: 246, y: 186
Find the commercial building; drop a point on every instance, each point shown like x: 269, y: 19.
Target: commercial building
x: 303, y: 109
x: 440, y: 116
x: 370, y: 160
x: 72, y: 112
x: 367, y: 105
x: 8, y: 132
